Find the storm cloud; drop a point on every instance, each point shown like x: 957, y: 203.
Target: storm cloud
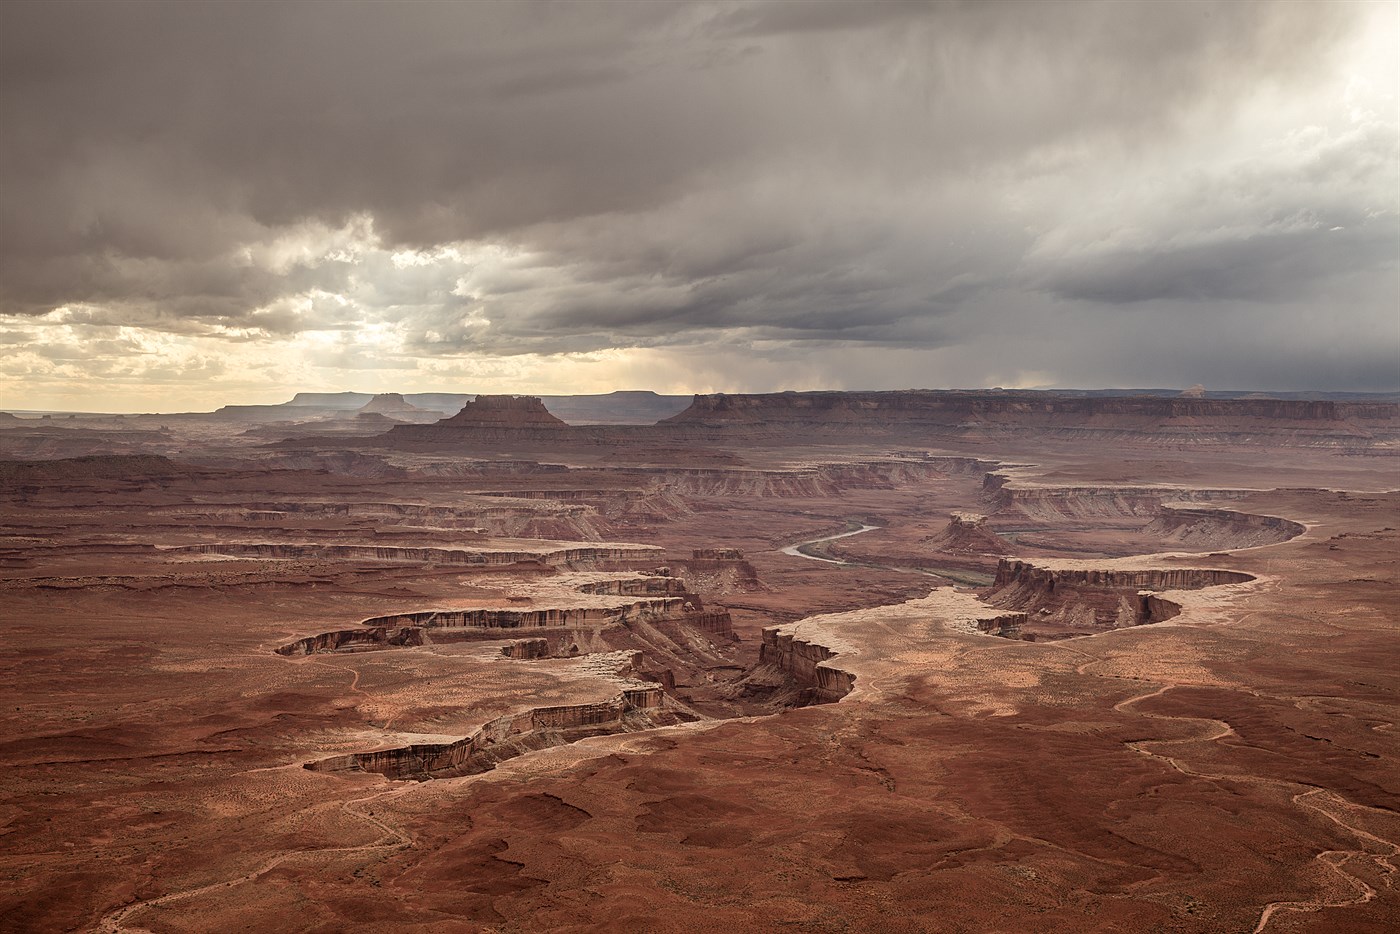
x: 542, y: 196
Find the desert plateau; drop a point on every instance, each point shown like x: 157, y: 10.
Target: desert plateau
x: 904, y: 661
x: 700, y: 466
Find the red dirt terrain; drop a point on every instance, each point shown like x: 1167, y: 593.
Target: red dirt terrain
x: 810, y: 662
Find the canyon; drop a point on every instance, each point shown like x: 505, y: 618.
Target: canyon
x: 896, y: 661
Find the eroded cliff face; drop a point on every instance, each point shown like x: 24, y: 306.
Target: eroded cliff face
x: 641, y: 707
x: 583, y: 556
x: 1003, y: 496
x: 390, y: 403
x: 953, y: 408
x: 504, y: 412
x: 663, y: 616
x: 496, y: 516
x: 1190, y: 420
x: 807, y: 662
x: 489, y: 418
x: 1069, y: 601
x: 546, y: 618
x: 967, y: 534
x: 1216, y: 529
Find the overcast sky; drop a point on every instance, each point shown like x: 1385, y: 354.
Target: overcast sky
x: 204, y: 203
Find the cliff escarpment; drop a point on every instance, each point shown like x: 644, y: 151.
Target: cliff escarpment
x: 807, y: 662
x: 575, y: 556
x: 1067, y: 601
x: 661, y: 616
x: 977, y: 413
x: 639, y: 707
x: 1003, y: 496
x: 1201, y: 527
x: 958, y: 407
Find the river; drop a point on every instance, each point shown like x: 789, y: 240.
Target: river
x: 797, y: 551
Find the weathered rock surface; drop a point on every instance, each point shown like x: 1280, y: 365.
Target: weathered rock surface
x: 642, y: 707
x: 389, y: 403
x: 967, y: 534
x: 503, y: 412
x: 1069, y: 600
x: 527, y: 648
x: 1192, y: 420
x: 552, y: 554
x: 1204, y: 527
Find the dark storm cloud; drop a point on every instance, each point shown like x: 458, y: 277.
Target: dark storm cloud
x: 664, y: 174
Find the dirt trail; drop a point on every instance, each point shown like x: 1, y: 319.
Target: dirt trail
x: 393, y: 839
x: 1334, y: 860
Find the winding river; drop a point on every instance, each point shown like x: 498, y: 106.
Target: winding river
x: 950, y: 575
x: 798, y: 549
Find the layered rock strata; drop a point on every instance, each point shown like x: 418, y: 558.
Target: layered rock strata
x: 639, y: 706
x: 560, y: 555
x: 967, y: 534
x: 1221, y: 528
x: 1065, y: 601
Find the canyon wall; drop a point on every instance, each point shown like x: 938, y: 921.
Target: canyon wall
x: 929, y: 413
x: 635, y: 708
x: 957, y: 407
x: 804, y: 662
x: 577, y: 556
x: 1221, y: 528
x: 1066, y: 601
x: 1002, y: 495
x: 1015, y: 573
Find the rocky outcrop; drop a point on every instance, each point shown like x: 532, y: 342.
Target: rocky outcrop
x: 352, y: 640
x: 1014, y: 573
x: 1004, y: 625
x: 662, y: 605
x: 508, y: 412
x: 717, y: 554
x: 967, y: 534
x: 389, y: 403
x: 549, y: 618
x: 488, y: 418
x: 527, y: 648
x: 1060, y: 602
x: 718, y: 575
x: 643, y: 707
x: 649, y: 585
x: 807, y: 663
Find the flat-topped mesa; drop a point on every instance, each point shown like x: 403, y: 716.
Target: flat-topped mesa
x: 389, y: 403
x: 1199, y: 420
x: 506, y: 412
